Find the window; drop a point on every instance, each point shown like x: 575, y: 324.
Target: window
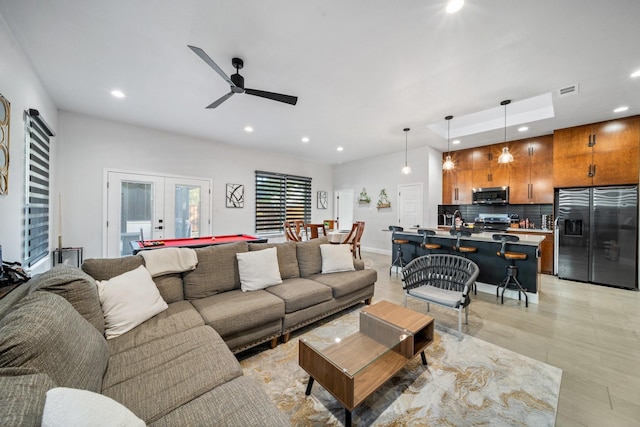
x: 281, y: 198
x: 36, y: 240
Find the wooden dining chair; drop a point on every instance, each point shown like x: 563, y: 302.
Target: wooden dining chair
x: 351, y: 235
x: 313, y: 230
x: 330, y: 224
x: 355, y: 242
x: 290, y: 232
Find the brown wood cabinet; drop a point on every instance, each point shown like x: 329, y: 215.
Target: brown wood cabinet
x: 546, y: 250
x: 605, y: 153
x: 531, y: 179
x: 457, y: 183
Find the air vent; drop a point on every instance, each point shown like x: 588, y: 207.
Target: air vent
x: 568, y: 90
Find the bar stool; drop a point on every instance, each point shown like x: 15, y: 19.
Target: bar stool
x: 512, y: 269
x: 463, y: 250
x: 428, y: 246
x: 398, y: 259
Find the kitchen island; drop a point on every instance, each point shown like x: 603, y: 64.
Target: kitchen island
x: 492, y: 267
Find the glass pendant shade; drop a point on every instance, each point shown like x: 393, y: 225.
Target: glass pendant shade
x: 448, y: 163
x: 505, y: 156
x: 406, y: 169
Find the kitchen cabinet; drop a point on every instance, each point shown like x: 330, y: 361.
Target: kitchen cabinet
x: 495, y: 176
x: 604, y: 153
x: 456, y: 183
x: 531, y: 177
x: 546, y: 250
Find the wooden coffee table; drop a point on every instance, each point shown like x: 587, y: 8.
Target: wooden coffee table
x: 354, y: 366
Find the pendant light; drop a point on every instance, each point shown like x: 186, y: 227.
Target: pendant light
x: 406, y: 169
x: 505, y: 156
x: 448, y: 163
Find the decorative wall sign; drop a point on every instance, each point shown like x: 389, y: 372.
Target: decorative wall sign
x: 5, y: 115
x: 322, y: 200
x: 235, y: 196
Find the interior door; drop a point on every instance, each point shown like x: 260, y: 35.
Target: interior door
x: 344, y: 204
x: 154, y: 207
x: 410, y: 207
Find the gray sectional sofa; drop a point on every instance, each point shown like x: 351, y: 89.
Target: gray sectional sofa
x: 177, y: 368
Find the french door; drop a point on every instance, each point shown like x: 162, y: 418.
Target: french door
x: 154, y: 207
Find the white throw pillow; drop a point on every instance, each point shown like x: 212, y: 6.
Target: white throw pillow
x: 128, y: 300
x: 258, y: 269
x: 69, y: 407
x: 336, y: 258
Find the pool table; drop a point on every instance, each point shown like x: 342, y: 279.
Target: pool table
x: 193, y: 242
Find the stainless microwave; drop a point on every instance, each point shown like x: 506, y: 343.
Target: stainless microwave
x: 490, y: 196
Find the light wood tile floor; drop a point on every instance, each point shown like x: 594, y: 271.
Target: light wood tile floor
x: 591, y: 332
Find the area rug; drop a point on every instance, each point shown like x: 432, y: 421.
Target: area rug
x: 467, y: 382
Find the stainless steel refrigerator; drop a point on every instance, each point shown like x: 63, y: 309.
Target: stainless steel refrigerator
x: 597, y: 235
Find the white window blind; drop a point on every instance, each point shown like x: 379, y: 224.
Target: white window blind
x: 36, y: 242
x: 280, y: 198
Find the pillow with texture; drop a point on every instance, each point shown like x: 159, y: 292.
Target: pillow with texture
x: 128, y: 300
x: 258, y: 269
x: 336, y: 258
x: 72, y: 407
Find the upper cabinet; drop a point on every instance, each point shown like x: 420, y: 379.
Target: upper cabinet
x: 604, y: 153
x: 456, y: 183
x: 531, y: 171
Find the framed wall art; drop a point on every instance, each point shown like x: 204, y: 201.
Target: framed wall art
x: 5, y: 114
x: 322, y: 200
x: 235, y: 196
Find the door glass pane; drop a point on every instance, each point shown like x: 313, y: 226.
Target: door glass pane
x: 188, y: 211
x: 136, y: 214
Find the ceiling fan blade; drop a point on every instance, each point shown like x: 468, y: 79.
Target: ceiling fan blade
x: 220, y: 100
x: 201, y: 53
x: 287, y: 99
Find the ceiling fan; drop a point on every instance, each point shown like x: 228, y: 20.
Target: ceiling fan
x: 236, y: 82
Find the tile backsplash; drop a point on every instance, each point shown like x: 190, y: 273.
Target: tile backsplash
x: 470, y: 212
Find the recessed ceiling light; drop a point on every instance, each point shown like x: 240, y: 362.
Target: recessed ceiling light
x: 117, y: 93
x: 635, y: 73
x: 620, y: 109
x: 305, y: 139
x: 454, y: 5
x: 455, y: 142
x: 339, y: 148
x: 248, y: 129
x: 523, y: 129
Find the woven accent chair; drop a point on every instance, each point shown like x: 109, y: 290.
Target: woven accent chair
x: 441, y: 279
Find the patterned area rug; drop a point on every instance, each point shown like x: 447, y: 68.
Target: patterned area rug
x: 466, y: 383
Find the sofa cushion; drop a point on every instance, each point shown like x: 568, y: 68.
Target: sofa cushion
x: 73, y: 407
x: 75, y: 286
x: 22, y: 396
x: 301, y: 293
x: 46, y: 333
x: 169, y: 285
x: 336, y: 258
x: 440, y: 296
x: 236, y: 311
x: 309, y: 257
x: 258, y: 269
x: 106, y: 268
x: 240, y: 402
x: 157, y: 377
x: 287, y: 257
x: 128, y: 300
x: 344, y: 283
x: 217, y: 271
x: 179, y: 317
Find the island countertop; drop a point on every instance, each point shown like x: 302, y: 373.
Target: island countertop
x: 487, y: 236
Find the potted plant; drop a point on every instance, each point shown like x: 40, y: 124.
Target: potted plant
x: 364, y: 197
x: 383, y: 200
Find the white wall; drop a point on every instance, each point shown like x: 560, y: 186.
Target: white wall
x: 90, y: 145
x: 381, y: 172
x: 20, y: 85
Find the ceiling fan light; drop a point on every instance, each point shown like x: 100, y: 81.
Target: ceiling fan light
x: 448, y: 164
x: 505, y: 156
